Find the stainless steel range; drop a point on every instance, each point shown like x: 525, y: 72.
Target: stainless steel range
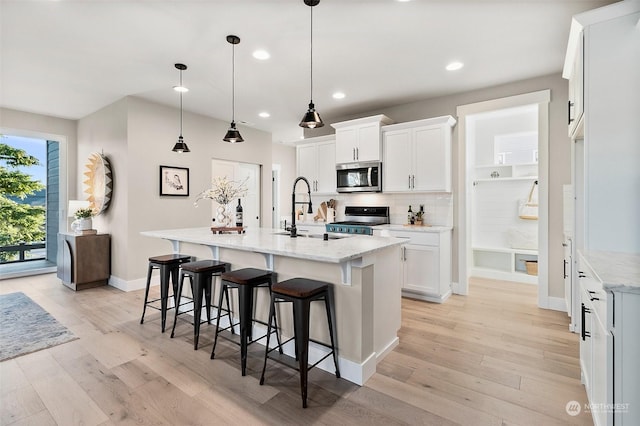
x: 360, y: 220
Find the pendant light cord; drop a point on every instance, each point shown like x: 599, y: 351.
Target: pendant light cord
x: 233, y: 83
x: 311, y: 37
x: 181, y: 104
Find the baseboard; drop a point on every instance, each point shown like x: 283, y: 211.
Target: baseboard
x: 132, y: 285
x: 420, y: 296
x: 354, y: 372
x: 555, y: 304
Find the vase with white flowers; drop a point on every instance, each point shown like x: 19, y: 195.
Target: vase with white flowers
x: 223, y: 191
x: 83, y: 220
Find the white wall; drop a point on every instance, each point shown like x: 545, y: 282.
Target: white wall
x: 559, y: 149
x: 137, y: 136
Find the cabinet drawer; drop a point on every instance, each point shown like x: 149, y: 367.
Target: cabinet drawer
x: 421, y: 238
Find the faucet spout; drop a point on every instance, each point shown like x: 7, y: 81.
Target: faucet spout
x: 294, y: 230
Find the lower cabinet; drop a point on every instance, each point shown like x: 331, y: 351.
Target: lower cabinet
x: 84, y: 261
x: 426, y: 264
x: 610, y: 348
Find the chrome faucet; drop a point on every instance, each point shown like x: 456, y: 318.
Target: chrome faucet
x: 294, y: 231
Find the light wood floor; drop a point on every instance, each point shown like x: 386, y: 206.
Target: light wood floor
x: 489, y: 358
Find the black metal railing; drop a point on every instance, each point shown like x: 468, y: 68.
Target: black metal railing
x: 21, y: 250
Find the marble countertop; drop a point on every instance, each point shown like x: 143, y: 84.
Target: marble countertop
x: 272, y: 241
x: 617, y: 271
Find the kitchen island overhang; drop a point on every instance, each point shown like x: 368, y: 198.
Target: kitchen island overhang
x: 364, y: 270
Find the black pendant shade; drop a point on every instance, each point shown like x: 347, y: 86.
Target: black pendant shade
x: 233, y: 135
x: 181, y: 146
x: 311, y: 118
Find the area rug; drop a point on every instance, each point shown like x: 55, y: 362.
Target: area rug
x: 25, y: 327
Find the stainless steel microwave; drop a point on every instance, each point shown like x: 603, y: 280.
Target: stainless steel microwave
x: 359, y: 177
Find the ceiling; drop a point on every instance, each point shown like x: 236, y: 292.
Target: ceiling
x: 69, y: 58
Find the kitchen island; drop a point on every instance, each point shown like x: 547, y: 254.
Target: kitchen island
x: 364, y: 271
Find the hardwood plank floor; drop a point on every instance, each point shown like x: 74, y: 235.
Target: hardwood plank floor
x: 492, y: 357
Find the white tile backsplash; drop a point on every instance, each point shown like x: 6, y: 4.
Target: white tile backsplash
x: 438, y: 206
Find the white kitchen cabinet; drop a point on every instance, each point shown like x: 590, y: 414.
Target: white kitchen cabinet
x: 606, y: 218
x: 316, y: 162
x: 575, y: 74
x: 417, y: 155
x: 359, y: 140
x: 426, y: 264
x: 610, y: 342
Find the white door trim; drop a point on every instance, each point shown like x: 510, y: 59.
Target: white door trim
x: 463, y: 202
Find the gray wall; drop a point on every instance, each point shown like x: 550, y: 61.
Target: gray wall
x: 559, y: 149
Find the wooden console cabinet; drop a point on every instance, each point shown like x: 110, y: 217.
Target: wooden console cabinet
x: 84, y: 261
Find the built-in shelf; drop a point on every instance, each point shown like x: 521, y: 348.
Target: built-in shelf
x: 503, y: 263
x: 502, y: 171
x: 501, y: 179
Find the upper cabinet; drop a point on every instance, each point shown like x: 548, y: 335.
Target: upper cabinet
x: 316, y: 161
x: 606, y: 153
x: 574, y: 72
x: 359, y: 140
x: 417, y: 155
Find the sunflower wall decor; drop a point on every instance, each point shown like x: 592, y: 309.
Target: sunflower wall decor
x: 98, y: 183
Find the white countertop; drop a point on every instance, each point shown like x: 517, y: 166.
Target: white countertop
x: 267, y: 240
x: 617, y: 271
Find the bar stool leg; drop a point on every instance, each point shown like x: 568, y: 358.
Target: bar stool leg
x: 164, y: 293
x: 272, y: 308
x: 301, y: 326
x: 199, y: 285
x: 223, y: 291
x: 146, y: 292
x: 175, y: 318
x: 245, y: 299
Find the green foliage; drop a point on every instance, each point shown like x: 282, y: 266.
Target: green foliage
x: 18, y: 222
x: 83, y: 213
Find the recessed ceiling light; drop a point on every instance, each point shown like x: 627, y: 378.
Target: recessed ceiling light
x: 453, y: 66
x: 261, y: 54
x: 338, y: 95
x: 180, y: 89
x: 264, y: 114
x: 403, y: 1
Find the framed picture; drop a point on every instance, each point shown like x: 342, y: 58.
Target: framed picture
x: 174, y: 181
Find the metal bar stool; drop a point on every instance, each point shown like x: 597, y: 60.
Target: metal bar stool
x: 245, y: 280
x: 301, y: 292
x: 169, y: 265
x: 201, y: 274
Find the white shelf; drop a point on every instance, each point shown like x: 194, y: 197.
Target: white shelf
x: 503, y: 263
x: 499, y: 179
x: 506, y: 171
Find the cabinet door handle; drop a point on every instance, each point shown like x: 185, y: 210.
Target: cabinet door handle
x: 413, y: 181
x: 564, y: 268
x: 403, y: 253
x: 581, y: 274
x: 357, y: 153
x: 584, y: 332
x: 569, y: 105
x: 409, y: 184
x: 353, y: 154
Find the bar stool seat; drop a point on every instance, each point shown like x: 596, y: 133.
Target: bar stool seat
x: 168, y: 265
x: 301, y: 292
x: 200, y: 275
x: 245, y: 280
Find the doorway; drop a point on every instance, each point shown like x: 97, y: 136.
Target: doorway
x: 31, y: 205
x: 467, y: 176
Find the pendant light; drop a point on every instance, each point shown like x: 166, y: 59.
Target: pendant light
x: 180, y: 146
x: 233, y: 135
x: 311, y: 118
